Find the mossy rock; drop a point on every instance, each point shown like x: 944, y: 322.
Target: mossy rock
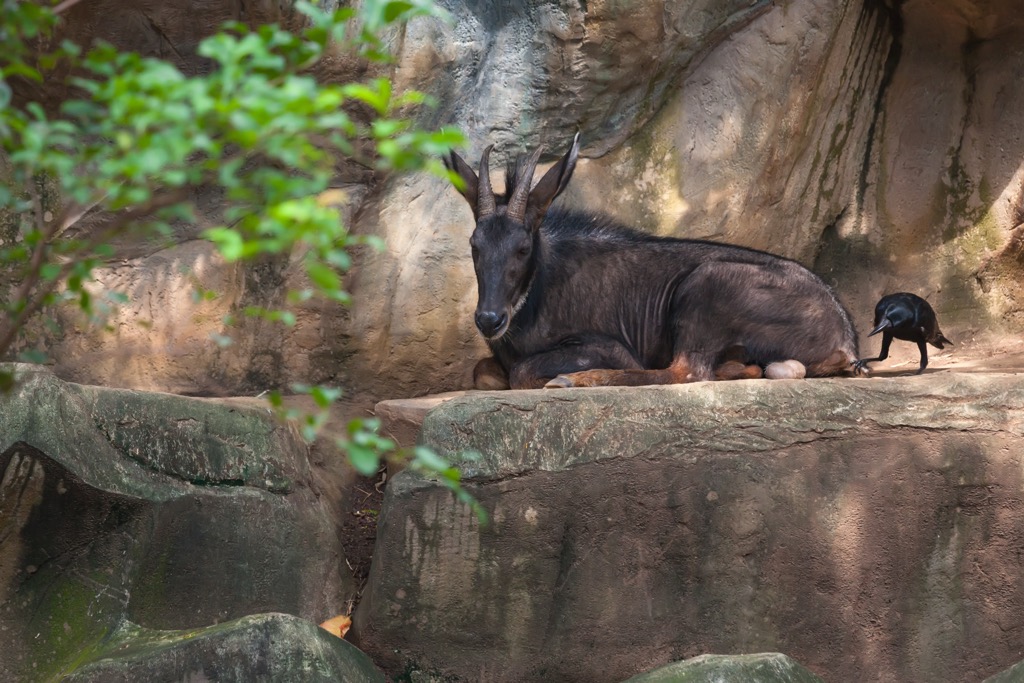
x: 1015, y: 674
x: 769, y: 667
x: 264, y: 647
x: 170, y: 512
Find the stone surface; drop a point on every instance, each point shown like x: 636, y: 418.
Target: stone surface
x: 401, y: 419
x: 263, y: 648
x: 1015, y: 674
x: 171, y: 512
x: 878, y: 143
x: 760, y: 668
x: 868, y: 528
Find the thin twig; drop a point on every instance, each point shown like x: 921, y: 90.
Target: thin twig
x: 75, y: 213
x: 35, y: 263
x: 37, y: 204
x: 66, y: 5
x: 38, y: 299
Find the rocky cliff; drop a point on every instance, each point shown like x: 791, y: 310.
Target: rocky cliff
x: 868, y: 528
x: 879, y: 143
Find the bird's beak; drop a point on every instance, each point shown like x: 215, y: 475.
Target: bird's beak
x: 881, y: 326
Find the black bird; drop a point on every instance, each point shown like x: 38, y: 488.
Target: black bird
x: 910, y: 318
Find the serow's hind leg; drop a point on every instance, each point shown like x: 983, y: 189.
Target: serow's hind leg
x: 733, y: 369
x: 573, y: 356
x: 676, y: 373
x: 924, y: 356
x: 734, y: 363
x: 837, y: 363
x: 685, y: 368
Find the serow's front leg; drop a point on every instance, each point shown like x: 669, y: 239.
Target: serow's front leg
x: 575, y: 356
x: 488, y: 375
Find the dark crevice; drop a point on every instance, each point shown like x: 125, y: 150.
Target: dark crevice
x: 959, y: 182
x: 892, y: 60
x: 196, y: 481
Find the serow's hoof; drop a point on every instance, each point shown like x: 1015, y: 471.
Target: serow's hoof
x: 787, y: 369
x: 560, y: 382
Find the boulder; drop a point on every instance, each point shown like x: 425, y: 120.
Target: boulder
x: 401, y: 419
x: 868, y: 528
x: 770, y: 667
x: 1015, y: 674
x: 263, y: 648
x: 171, y: 512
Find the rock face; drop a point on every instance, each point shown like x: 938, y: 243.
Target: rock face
x: 1014, y: 674
x: 172, y: 513
x: 761, y: 668
x: 879, y: 143
x: 868, y: 528
x: 261, y: 649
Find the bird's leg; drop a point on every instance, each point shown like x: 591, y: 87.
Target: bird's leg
x: 924, y: 356
x: 887, y: 338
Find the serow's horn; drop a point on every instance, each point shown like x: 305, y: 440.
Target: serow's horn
x: 485, y: 197
x: 517, y: 205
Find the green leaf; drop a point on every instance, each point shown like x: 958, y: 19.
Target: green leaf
x: 394, y: 9
x: 23, y: 70
x: 323, y: 276
x: 377, y: 96
x: 229, y: 242
x: 49, y: 271
x: 429, y: 460
x: 32, y: 356
x: 363, y: 459
x: 324, y: 396
x: 221, y: 340
x: 366, y: 424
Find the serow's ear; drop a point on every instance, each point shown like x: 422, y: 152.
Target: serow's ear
x: 552, y: 184
x: 454, y: 162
